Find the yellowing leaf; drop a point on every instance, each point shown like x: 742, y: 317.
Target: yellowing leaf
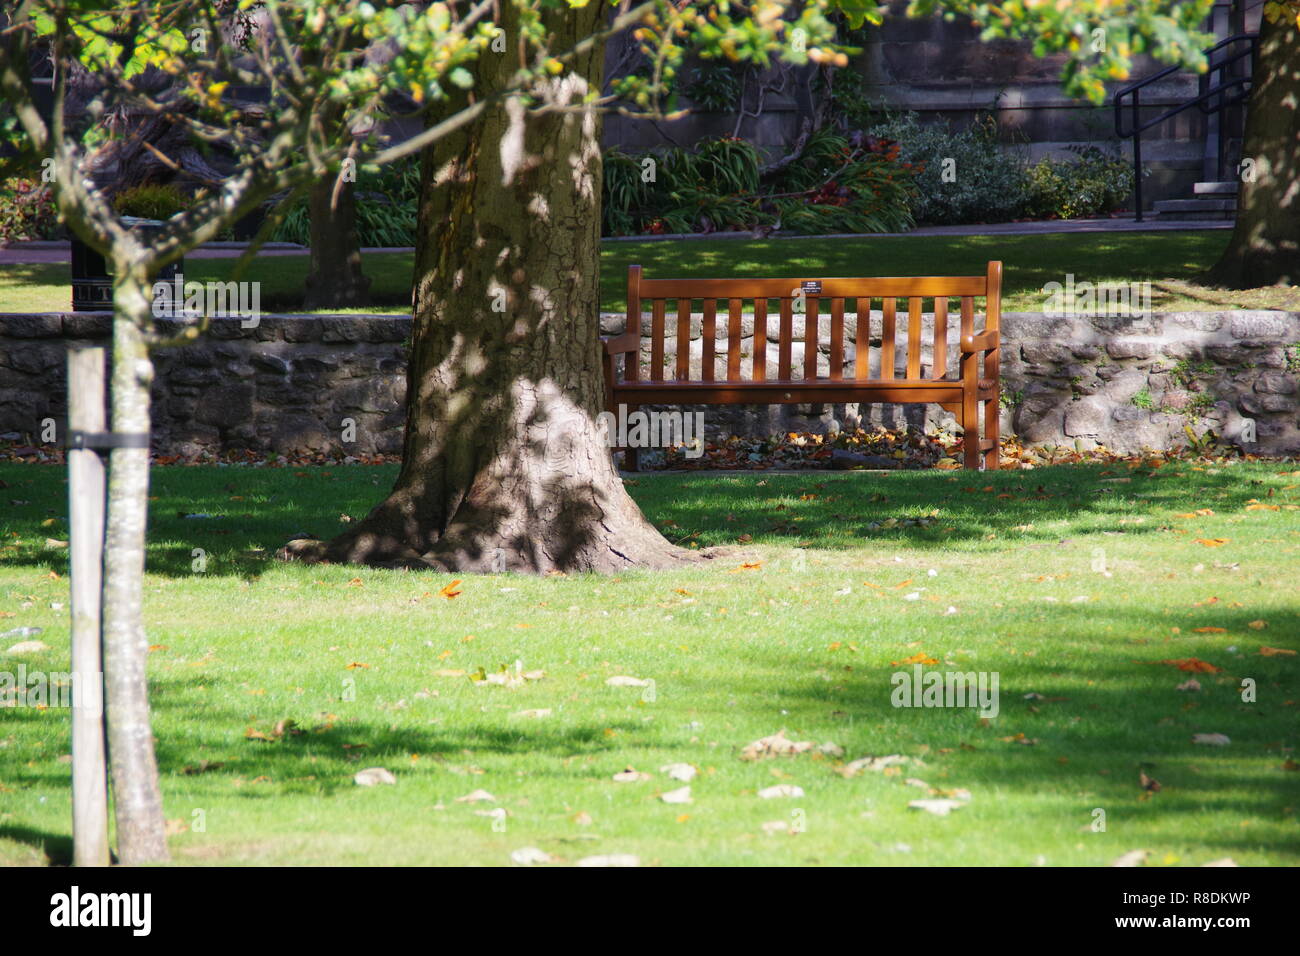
x: 919, y: 658
x: 1195, y: 665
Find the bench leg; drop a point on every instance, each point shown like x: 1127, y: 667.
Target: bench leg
x: 630, y: 462
x: 992, y: 415
x: 970, y: 414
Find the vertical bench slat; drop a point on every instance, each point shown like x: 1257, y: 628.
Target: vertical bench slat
x: 837, y: 339
x: 862, y: 343
x: 887, y: 335
x: 632, y: 364
x: 683, y: 339
x: 940, y: 365
x: 709, y: 334
x: 787, y: 336
x: 967, y: 315
x: 914, y: 337
x: 760, y: 340
x: 733, y: 339
x: 810, y: 331
x: 657, y: 340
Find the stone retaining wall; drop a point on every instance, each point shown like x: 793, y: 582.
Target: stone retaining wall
x: 304, y: 383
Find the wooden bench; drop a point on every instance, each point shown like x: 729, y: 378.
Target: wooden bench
x: 850, y: 376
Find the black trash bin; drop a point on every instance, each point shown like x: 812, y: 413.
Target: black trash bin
x: 92, y: 283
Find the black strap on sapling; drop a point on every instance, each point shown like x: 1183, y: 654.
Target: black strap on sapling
x: 102, y: 442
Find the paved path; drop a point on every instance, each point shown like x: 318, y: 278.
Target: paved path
x: 23, y: 253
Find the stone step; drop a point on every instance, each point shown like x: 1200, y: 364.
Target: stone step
x: 1188, y: 209
x: 1229, y: 188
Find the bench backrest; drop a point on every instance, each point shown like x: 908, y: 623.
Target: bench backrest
x: 825, y: 301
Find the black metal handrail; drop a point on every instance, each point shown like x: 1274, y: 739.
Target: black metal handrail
x: 1210, y: 98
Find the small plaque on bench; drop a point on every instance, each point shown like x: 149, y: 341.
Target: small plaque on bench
x: 811, y: 287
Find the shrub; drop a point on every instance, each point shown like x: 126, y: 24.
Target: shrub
x: 989, y: 183
x: 850, y: 184
x: 834, y: 186
x: 387, y: 201
x: 150, y: 202
x: 1094, y: 184
x: 27, y: 211
x: 716, y: 87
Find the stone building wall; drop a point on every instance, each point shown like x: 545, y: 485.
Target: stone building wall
x: 294, y: 383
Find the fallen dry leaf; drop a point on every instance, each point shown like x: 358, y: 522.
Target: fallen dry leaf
x: 776, y: 745
x: 530, y: 856
x: 780, y: 790
x: 623, y: 680
x: 372, y: 776
x: 918, y: 658
x: 940, y: 808
x: 679, y: 771
x: 610, y: 859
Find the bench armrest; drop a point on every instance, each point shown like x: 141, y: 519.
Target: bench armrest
x: 624, y: 344
x: 980, y: 342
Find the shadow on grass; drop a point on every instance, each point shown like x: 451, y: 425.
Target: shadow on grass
x: 841, y: 511
x: 1108, y: 709
x: 242, y: 510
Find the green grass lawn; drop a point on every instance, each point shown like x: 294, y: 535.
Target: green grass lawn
x: 1171, y: 261
x: 1072, y: 583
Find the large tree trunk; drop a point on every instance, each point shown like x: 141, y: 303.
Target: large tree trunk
x: 335, y: 280
x: 141, y: 830
x: 1265, y: 245
x: 504, y: 467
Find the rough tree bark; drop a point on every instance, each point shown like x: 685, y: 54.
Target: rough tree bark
x: 141, y: 830
x: 335, y: 280
x: 1265, y: 244
x: 503, y: 466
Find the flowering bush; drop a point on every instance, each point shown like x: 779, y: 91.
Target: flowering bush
x: 27, y: 211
